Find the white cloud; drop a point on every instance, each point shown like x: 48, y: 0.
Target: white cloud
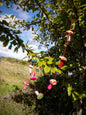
x: 28, y: 35
x: 22, y: 14
x: 4, y: 51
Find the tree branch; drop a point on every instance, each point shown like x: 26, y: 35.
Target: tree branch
x: 47, y: 16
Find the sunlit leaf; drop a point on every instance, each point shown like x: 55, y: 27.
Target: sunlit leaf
x: 69, y: 89
x: 0, y: 11
x: 1, y: 3
x: 47, y: 69
x: 53, y: 69
x: 64, y: 67
x: 59, y: 71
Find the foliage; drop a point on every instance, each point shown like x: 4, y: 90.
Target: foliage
x: 10, y: 36
x: 52, y: 18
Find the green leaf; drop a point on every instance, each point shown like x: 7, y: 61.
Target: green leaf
x: 1, y: 3
x: 59, y: 71
x: 12, y: 16
x: 53, y: 69
x: 46, y: 57
x: 50, y: 61
x: 32, y: 28
x: 47, y: 69
x: 5, y: 43
x: 41, y: 63
x: 73, y: 96
x: 17, y: 8
x: 84, y: 5
x: 64, y: 67
x: 2, y: 38
x: 71, y: 65
x: 57, y: 62
x: 8, y: 6
x: 16, y: 49
x: 0, y: 11
x: 10, y: 46
x: 69, y: 89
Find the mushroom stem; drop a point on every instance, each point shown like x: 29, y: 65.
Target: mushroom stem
x: 37, y: 93
x: 68, y: 37
x: 33, y: 74
x: 25, y: 86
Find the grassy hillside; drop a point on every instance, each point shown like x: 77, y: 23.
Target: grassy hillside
x: 13, y: 73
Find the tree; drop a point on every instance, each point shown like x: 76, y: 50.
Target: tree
x: 53, y: 18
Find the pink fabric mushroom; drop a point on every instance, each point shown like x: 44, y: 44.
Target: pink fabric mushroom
x: 33, y: 77
x: 53, y: 81
x: 26, y: 83
x: 49, y: 87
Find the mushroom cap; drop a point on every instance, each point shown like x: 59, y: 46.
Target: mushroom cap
x: 34, y: 60
x: 30, y: 66
x: 40, y: 96
x: 62, y: 58
x: 53, y: 81
x: 33, y: 78
x: 69, y: 32
x: 26, y: 83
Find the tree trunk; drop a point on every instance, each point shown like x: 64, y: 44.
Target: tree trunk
x: 79, y: 102
x: 79, y: 108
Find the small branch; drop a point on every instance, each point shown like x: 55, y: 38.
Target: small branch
x: 53, y: 25
x: 34, y: 23
x: 43, y: 11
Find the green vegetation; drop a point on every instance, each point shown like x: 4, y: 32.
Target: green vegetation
x: 52, y: 19
x: 13, y: 73
x: 56, y: 101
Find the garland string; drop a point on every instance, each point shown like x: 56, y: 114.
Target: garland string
x: 53, y: 81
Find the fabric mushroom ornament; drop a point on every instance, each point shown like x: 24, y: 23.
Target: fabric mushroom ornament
x: 39, y: 95
x: 30, y: 68
x: 69, y: 34
x: 53, y: 81
x: 63, y: 59
x: 26, y: 83
x: 33, y: 77
x: 34, y: 60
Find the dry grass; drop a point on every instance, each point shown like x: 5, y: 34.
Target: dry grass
x: 15, y: 73
x: 12, y: 75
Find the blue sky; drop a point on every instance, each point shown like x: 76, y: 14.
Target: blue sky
x: 25, y: 36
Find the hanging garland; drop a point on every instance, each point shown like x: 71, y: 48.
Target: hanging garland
x: 53, y: 82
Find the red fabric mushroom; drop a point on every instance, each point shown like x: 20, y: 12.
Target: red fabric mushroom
x: 62, y: 58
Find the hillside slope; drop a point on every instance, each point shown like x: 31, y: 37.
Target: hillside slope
x: 13, y: 74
